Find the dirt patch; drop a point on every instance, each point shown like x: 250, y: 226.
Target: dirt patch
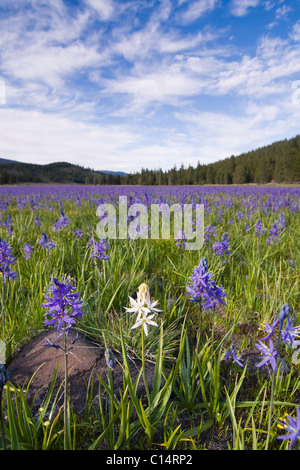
x: 86, y: 363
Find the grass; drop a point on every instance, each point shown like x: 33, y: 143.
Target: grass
x: 202, y: 402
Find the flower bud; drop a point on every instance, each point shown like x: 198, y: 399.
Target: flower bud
x: 144, y: 293
x: 203, y: 264
x: 284, y: 312
x: 110, y: 358
x: 3, y: 375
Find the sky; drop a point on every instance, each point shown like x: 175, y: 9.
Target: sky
x: 125, y: 85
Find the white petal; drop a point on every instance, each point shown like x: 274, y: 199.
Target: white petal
x: 138, y: 323
x: 150, y: 322
x: 131, y: 310
x: 150, y: 317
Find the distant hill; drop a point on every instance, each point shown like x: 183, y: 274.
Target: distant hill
x: 60, y: 172
x: 107, y: 172
x: 278, y: 162
x: 3, y: 161
x: 12, y: 172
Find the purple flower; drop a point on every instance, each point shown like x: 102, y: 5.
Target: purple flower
x: 231, y: 353
x: 274, y: 233
x: 63, y: 305
x: 210, y: 231
x: 268, y: 353
x: 203, y: 289
x: 78, y: 233
x: 258, y: 228
x: 99, y: 250
x: 284, y: 313
x: 7, y: 260
x: 61, y: 223
x: 290, y: 333
x: 221, y: 248
x: 292, y: 426
x: 46, y: 242
x: 37, y: 221
x: 181, y: 241
x: 28, y: 249
x: 269, y: 329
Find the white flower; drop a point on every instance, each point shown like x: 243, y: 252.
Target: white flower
x: 142, y: 306
x: 151, y: 306
x: 144, y: 321
x: 137, y: 306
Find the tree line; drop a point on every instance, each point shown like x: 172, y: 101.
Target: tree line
x: 278, y: 162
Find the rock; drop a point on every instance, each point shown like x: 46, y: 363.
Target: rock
x: 86, y: 362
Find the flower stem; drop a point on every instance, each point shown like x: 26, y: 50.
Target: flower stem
x: 200, y: 326
x: 3, y: 307
x: 272, y: 389
x: 67, y: 433
x: 144, y: 368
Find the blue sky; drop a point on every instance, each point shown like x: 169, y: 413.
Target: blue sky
x: 124, y: 85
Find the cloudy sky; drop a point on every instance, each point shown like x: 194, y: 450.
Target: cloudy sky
x: 128, y: 84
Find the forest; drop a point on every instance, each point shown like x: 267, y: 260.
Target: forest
x: 275, y: 163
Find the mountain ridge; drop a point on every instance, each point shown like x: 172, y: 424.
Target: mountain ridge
x: 278, y: 162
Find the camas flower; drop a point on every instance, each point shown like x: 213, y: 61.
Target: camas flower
x: 110, y: 358
x: 28, y: 249
x: 181, y: 241
x: 78, y: 233
x: 7, y: 260
x: 210, y: 232
x: 269, y: 329
x: 231, y: 353
x: 203, y: 289
x: 62, y: 222
x: 99, y: 250
x: 46, y: 242
x: 268, y: 353
x: 144, y: 321
x: 292, y: 426
x: 291, y: 333
x: 285, y: 310
x: 258, y: 228
x: 37, y: 221
x: 142, y: 306
x: 222, y: 248
x: 143, y: 303
x: 62, y: 304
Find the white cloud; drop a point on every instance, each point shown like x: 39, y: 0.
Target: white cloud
x: 196, y: 9
x: 104, y: 8
x: 241, y: 7
x: 31, y: 136
x: 220, y: 135
x: 295, y: 34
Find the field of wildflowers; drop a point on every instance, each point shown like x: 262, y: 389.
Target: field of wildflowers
x: 221, y: 324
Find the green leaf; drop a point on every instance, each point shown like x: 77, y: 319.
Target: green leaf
x: 15, y: 444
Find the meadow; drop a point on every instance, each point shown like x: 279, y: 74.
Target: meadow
x: 235, y: 299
